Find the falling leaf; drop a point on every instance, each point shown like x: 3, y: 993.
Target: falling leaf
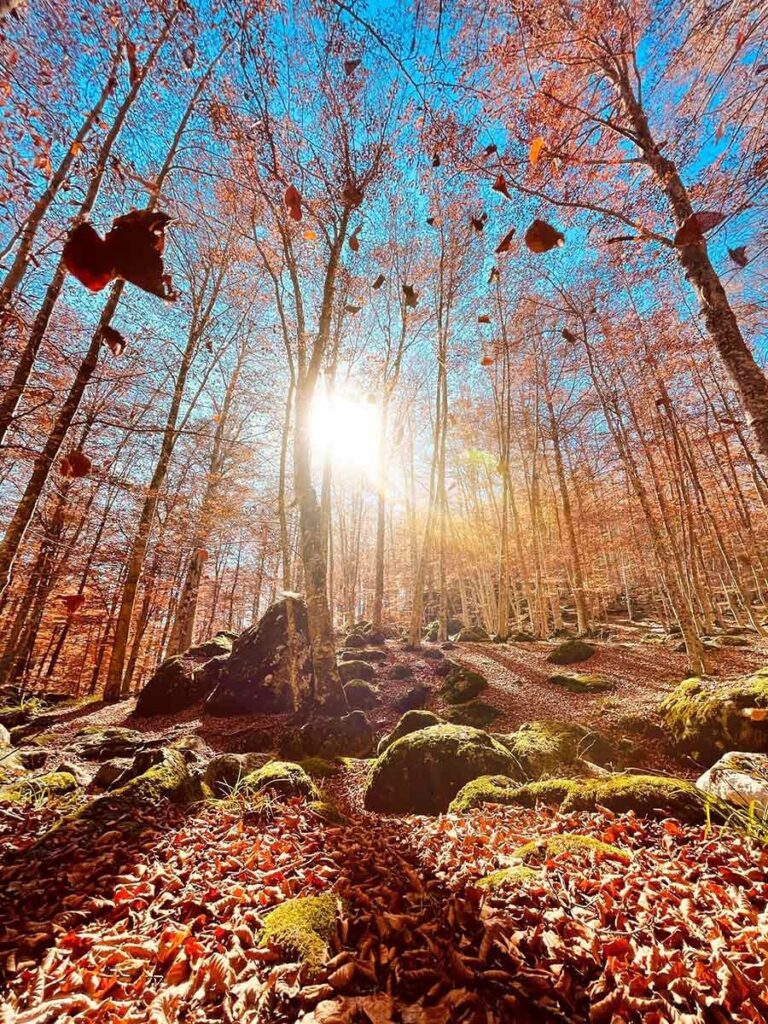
x: 569, y: 336
x: 541, y: 237
x: 310, y: 235
x: 378, y: 282
x: 292, y: 200
x: 75, y: 465
x: 494, y: 274
x: 436, y: 159
x: 487, y: 361
x: 88, y: 258
x: 431, y: 221
x: 352, y: 195
x: 349, y: 308
x: 535, y: 149
x: 500, y: 185
x: 491, y: 149
x: 506, y: 243
x: 483, y: 319
x: 478, y: 223
x: 411, y: 296
x: 693, y: 228
x: 354, y: 239
x: 113, y: 340
x: 188, y: 56
x: 739, y: 256
x: 72, y: 602
x: 133, y: 74
x: 351, y: 66
x: 136, y: 242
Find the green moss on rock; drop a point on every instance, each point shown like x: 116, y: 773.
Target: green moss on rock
x: 475, y: 713
x: 328, y: 811
x: 462, y: 685
x: 488, y: 789
x: 41, y: 788
x: 506, y: 878
x: 647, y: 795
x: 571, y: 651
x: 542, y: 747
x: 423, y: 771
x: 361, y: 694
x: 283, y: 777
x: 546, y: 791
x: 540, y: 850
x: 303, y: 927
x: 582, y: 683
x: 349, y: 670
x: 705, y: 716
x: 319, y: 768
x: 410, y: 722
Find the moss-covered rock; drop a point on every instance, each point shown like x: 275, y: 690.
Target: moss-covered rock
x: 474, y: 713
x: 351, y: 736
x: 415, y: 696
x: 540, y: 850
x: 282, y: 777
x: 410, y: 722
x: 581, y: 683
x: 95, y: 743
x: 423, y: 771
x: 357, y: 669
x: 110, y: 772
x: 570, y: 652
x: 320, y: 768
x: 371, y: 656
x: 507, y: 878
x: 646, y: 795
x: 39, y: 789
x: 709, y: 717
x: 361, y: 695
x: 328, y: 811
x: 224, y: 774
x: 488, y: 789
x: 542, y: 748
x: 462, y: 684
x: 471, y: 634
x: 545, y: 791
x: 303, y: 927
x: 400, y: 671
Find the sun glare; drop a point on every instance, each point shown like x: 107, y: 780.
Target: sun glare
x: 345, y: 429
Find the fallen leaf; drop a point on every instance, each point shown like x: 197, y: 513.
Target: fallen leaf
x: 541, y: 237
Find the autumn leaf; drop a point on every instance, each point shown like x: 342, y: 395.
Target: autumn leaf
x: 88, y: 258
x: 114, y: 340
x: 494, y: 274
x: 506, y: 243
x: 478, y: 223
x: 351, y: 66
x: 72, y: 602
x: 292, y: 200
x: 693, y: 228
x: 378, y: 282
x: 487, y: 361
x: 739, y: 256
x: 130, y: 50
x: 500, y: 185
x: 569, y: 336
x: 309, y: 235
x: 483, y: 319
x: 436, y: 159
x: 541, y: 237
x: 188, y: 56
x: 75, y: 465
x: 136, y: 242
x: 354, y: 239
x: 352, y: 195
x: 534, y: 151
x: 411, y: 296
x: 350, y: 308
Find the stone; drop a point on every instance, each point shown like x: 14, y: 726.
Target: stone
x: 101, y: 744
x: 487, y: 789
x: 355, y: 640
x: 582, y: 683
x: 371, y: 656
x: 738, y: 778
x: 571, y: 651
x: 33, y: 757
x: 471, y: 634
x: 39, y: 788
x: 303, y: 928
x: 462, y: 685
x: 283, y: 778
x: 543, y: 747
x: 647, y: 795
x: 432, y: 654
x: 401, y: 671
x: 475, y: 713
x: 349, y: 736
x: 254, y: 740
x: 111, y: 772
x: 361, y: 695
x: 410, y: 722
x: 422, y: 772
x: 178, y: 683
x: 225, y: 773
x: 415, y: 696
x: 257, y: 677
x: 355, y: 670
x: 709, y: 717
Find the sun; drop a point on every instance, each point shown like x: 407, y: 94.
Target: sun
x: 345, y: 429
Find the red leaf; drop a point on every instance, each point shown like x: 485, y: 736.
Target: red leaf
x: 88, y: 258
x: 113, y: 340
x: 506, y: 243
x: 541, y: 237
x: 136, y: 242
x: 350, y: 66
x: 500, y: 185
x: 75, y: 465
x: 292, y: 200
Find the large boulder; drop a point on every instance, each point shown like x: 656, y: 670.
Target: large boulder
x: 410, y: 722
x: 475, y: 712
x: 647, y: 795
x: 257, y: 678
x: 415, y: 696
x: 570, y: 652
x: 738, y: 778
x: 461, y: 684
x: 94, y: 743
x: 361, y: 695
x: 423, y: 771
x: 356, y: 669
x: 472, y: 634
x: 184, y: 679
x: 544, y: 747
x: 350, y: 736
x: 709, y: 717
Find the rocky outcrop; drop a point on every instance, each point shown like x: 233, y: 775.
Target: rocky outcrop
x: 570, y: 652
x: 708, y: 717
x: 183, y: 680
x: 740, y: 779
x: 258, y: 677
x: 350, y: 736
x: 410, y: 722
x: 461, y: 684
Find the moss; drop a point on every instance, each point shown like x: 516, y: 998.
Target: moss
x: 547, y: 791
x: 570, y: 843
x: 42, y: 788
x: 570, y: 652
x: 423, y: 771
x: 410, y: 722
x: 319, y: 768
x: 328, y: 811
x: 474, y: 713
x: 488, y: 789
x: 542, y: 747
x: 361, y: 694
x: 303, y: 927
x: 704, y: 716
x: 648, y: 795
x: 283, y: 777
x: 349, y: 670
x: 507, y: 877
x: 581, y: 683
x: 462, y: 685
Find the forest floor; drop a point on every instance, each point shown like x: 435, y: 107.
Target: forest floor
x: 161, y: 923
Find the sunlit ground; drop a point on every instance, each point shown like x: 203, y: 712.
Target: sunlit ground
x: 345, y: 430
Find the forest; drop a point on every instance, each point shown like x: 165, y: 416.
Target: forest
x: 383, y: 511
